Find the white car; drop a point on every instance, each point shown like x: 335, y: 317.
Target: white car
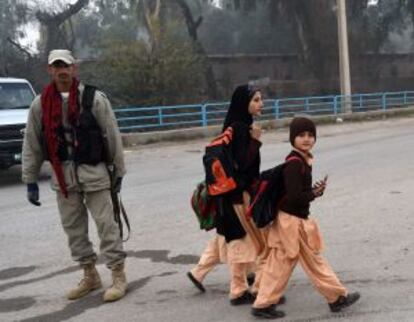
x: 16, y: 95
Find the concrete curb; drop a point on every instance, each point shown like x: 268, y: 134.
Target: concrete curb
x: 135, y: 139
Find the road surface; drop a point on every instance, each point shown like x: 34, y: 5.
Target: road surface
x: 366, y: 217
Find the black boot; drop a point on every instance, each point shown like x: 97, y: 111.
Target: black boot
x: 246, y: 298
x: 344, y: 301
x: 269, y: 312
x: 195, y: 282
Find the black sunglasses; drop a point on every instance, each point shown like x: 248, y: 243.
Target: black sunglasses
x: 60, y: 64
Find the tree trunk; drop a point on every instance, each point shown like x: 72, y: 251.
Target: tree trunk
x: 192, y: 27
x: 316, y: 34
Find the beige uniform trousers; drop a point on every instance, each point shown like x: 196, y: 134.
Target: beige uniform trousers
x: 290, y: 240
x: 214, y: 254
x: 244, y: 253
x: 74, y: 218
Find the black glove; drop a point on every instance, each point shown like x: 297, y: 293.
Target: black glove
x: 33, y: 194
x: 118, y: 185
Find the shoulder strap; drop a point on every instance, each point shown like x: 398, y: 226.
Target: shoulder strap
x: 119, y: 213
x: 224, y: 138
x: 88, y: 97
x: 296, y: 158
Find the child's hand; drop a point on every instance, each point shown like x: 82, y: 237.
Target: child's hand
x: 319, y: 187
x: 255, y: 131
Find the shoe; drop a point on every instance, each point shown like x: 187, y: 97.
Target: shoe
x: 250, y: 278
x: 119, y: 285
x: 269, y: 312
x: 344, y: 301
x: 246, y: 298
x: 90, y: 281
x: 195, y: 282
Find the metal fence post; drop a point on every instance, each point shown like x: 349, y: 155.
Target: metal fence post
x: 204, y: 115
x: 307, y: 104
x: 276, y: 108
x: 384, y: 101
x: 405, y: 98
x: 160, y: 121
x: 335, y: 104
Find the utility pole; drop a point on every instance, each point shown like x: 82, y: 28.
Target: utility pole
x: 344, y: 72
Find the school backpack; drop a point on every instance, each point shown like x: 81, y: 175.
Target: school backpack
x: 204, y: 207
x: 269, y: 194
x: 219, y: 164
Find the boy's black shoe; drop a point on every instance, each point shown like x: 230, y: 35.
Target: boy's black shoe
x: 269, y: 312
x: 250, y: 278
x: 344, y: 301
x: 195, y: 282
x: 246, y: 298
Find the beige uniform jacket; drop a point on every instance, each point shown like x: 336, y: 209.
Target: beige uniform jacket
x: 84, y: 177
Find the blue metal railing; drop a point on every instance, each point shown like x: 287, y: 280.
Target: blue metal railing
x: 139, y: 119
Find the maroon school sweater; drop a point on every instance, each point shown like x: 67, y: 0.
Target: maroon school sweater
x: 297, y: 176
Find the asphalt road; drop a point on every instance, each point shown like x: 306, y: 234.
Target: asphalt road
x: 366, y: 217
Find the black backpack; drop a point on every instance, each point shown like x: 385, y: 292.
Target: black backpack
x: 219, y: 165
x: 269, y: 194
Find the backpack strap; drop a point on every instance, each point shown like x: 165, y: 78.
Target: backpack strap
x: 296, y: 158
x: 223, y: 139
x: 262, y: 187
x: 88, y: 97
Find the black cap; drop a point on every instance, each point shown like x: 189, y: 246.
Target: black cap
x: 300, y: 125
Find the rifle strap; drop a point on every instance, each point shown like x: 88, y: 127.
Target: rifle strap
x: 120, y: 215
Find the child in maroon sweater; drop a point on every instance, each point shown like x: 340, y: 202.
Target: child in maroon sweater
x: 294, y: 237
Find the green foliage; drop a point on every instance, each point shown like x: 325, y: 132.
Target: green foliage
x: 144, y: 58
x: 134, y: 74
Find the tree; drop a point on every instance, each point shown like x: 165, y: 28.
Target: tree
x: 13, y: 15
x: 169, y: 75
x: 192, y: 27
x: 57, y: 26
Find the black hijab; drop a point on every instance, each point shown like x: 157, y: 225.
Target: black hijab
x: 239, y: 107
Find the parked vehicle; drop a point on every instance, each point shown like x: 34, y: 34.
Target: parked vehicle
x: 16, y: 95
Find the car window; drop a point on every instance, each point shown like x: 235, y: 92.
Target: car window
x: 15, y: 95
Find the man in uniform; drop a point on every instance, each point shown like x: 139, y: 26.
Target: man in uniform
x: 81, y: 141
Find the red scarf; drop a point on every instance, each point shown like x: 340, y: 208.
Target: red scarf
x: 52, y: 120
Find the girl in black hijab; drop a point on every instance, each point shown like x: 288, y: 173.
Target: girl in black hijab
x: 237, y: 241
x: 244, y: 242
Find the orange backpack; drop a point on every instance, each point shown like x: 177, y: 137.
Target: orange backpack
x: 219, y: 164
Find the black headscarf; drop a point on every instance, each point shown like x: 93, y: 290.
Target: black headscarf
x: 240, y: 119
x: 239, y: 107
